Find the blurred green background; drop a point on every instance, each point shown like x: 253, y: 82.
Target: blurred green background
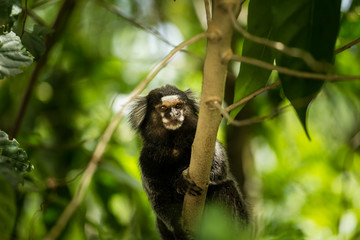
x: 298, y: 189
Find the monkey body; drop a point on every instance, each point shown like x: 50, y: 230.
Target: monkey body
x: 166, y: 120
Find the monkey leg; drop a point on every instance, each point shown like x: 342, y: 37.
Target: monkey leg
x: 228, y: 195
x: 165, y: 233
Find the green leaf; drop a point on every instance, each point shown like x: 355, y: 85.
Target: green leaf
x: 7, y: 210
x: 312, y: 25
x: 252, y: 78
x: 12, y: 58
x: 34, y: 41
x: 5, y: 8
x: 13, y: 160
x: 120, y: 175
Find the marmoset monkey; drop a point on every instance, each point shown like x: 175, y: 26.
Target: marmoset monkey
x: 166, y: 119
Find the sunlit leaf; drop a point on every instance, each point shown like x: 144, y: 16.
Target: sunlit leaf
x: 252, y: 78
x: 12, y: 58
x: 310, y: 25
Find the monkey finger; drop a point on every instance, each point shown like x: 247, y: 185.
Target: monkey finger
x: 195, y: 190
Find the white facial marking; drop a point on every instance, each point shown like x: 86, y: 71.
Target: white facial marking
x: 172, y: 126
x: 170, y: 98
x: 175, y: 123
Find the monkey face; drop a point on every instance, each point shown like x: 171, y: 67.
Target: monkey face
x: 171, y: 110
x: 165, y: 108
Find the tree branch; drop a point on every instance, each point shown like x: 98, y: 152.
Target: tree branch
x: 310, y: 61
x: 25, y: 17
x: 250, y: 121
x: 347, y: 46
x: 283, y: 70
x: 207, y: 11
x: 100, y: 148
x: 112, y: 8
x: 58, y: 27
x: 251, y: 96
x: 214, y: 74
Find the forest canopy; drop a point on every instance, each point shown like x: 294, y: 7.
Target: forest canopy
x: 69, y: 68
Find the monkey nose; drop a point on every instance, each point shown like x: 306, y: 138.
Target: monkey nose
x: 175, y: 113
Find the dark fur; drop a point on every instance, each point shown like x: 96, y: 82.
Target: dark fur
x: 166, y: 154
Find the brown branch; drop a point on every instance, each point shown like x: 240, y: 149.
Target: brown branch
x: 100, y: 148
x: 295, y: 73
x: 347, y: 46
x: 250, y: 121
x: 310, y: 61
x: 112, y: 8
x: 251, y: 96
x: 207, y: 11
x: 214, y: 75
x: 58, y: 27
x: 36, y: 18
x: 25, y: 17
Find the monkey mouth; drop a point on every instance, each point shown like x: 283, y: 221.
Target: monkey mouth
x: 172, y: 124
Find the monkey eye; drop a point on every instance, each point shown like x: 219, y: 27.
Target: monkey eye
x: 163, y: 108
x: 179, y: 105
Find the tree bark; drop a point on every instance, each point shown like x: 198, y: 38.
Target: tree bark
x: 220, y: 32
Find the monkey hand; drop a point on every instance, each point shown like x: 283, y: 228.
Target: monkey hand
x: 186, y: 185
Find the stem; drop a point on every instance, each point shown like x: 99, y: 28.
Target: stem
x: 59, y: 26
x: 251, y: 96
x: 25, y: 16
x: 310, y: 61
x: 207, y: 11
x: 249, y: 121
x: 219, y: 42
x: 347, y: 46
x: 283, y: 70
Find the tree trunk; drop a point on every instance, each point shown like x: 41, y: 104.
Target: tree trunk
x: 220, y: 32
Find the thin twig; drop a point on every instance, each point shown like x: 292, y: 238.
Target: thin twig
x: 37, y: 19
x: 310, y: 61
x: 347, y: 46
x: 59, y: 25
x: 112, y: 8
x: 295, y: 73
x: 251, y: 96
x: 25, y: 17
x: 250, y: 121
x: 44, y: 3
x: 100, y: 148
x: 208, y: 12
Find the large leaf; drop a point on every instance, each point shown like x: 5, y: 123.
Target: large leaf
x: 7, y: 209
x: 34, y: 40
x: 252, y: 78
x: 8, y: 10
x: 13, y: 160
x: 12, y: 58
x: 5, y: 8
x: 312, y: 25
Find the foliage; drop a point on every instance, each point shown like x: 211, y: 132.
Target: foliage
x: 13, y: 165
x: 13, y: 160
x: 297, y: 187
x: 12, y: 58
x: 305, y: 25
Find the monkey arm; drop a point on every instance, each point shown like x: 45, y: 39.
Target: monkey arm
x: 185, y: 184
x: 218, y: 173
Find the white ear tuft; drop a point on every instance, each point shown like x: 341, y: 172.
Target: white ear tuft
x: 193, y: 99
x: 137, y: 112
